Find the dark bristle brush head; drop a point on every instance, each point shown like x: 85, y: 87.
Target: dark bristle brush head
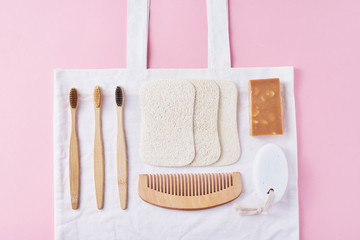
x: 73, y: 97
x: 119, y: 96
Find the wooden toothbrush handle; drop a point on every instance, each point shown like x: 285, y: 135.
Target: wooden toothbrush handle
x: 98, y: 161
x: 121, y: 160
x: 74, y: 163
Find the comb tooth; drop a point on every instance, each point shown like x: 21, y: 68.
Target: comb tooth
x: 180, y: 184
x: 173, y: 191
x: 181, y: 190
x: 213, y: 183
x: 195, y: 190
x: 154, y: 187
x: 198, y: 190
x: 203, y: 184
x: 216, y: 182
x: 219, y: 184
x: 171, y: 185
x: 194, y: 187
x: 186, y: 182
x: 177, y: 185
x: 160, y: 183
x: 227, y: 180
x: 163, y: 181
x: 167, y: 184
x: 170, y: 189
x: 188, y: 185
x: 151, y: 181
x: 222, y: 181
x: 184, y: 185
x: 147, y: 180
x: 196, y: 182
x: 157, y: 188
x: 207, y: 183
x: 191, y: 186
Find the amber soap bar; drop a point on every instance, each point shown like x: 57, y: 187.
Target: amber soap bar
x: 265, y: 107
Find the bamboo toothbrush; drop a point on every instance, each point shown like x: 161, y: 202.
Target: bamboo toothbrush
x: 74, y: 151
x: 121, y: 148
x: 98, y: 151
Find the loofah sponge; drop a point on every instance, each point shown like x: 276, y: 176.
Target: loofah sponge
x: 207, y: 144
x: 228, y: 132
x: 167, y: 108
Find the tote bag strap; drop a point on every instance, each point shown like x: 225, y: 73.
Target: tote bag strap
x: 218, y: 34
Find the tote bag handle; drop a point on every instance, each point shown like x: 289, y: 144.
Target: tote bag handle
x: 218, y: 34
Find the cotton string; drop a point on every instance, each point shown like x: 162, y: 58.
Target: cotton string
x: 252, y: 211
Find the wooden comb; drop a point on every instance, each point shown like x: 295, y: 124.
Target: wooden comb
x: 189, y: 191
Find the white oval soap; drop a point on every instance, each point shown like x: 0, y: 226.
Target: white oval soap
x: 270, y: 171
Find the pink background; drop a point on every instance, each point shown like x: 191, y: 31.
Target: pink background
x: 320, y: 38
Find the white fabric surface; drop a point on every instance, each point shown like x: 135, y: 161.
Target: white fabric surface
x: 142, y: 220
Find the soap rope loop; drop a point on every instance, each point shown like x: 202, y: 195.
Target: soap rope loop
x: 263, y: 209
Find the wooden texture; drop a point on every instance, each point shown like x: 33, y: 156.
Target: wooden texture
x: 74, y: 168
x: 189, y: 191
x: 121, y: 159
x: 98, y: 160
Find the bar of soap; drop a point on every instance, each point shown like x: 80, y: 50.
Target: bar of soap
x: 265, y: 107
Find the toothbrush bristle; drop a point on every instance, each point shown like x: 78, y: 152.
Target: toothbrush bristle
x: 97, y: 97
x: 73, y: 97
x: 119, y: 96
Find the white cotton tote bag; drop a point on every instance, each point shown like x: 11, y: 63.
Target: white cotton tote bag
x: 142, y: 220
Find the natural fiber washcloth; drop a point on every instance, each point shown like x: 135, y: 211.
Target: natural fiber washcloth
x: 167, y: 108
x: 228, y: 132
x: 207, y: 144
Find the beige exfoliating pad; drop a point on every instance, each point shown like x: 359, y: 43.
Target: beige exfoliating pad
x: 228, y: 132
x: 207, y: 144
x: 167, y: 108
